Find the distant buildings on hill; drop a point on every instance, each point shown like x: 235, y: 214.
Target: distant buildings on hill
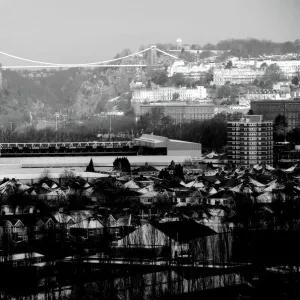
x: 247, y: 70
x: 236, y: 75
x: 271, y: 108
x: 110, y: 113
x: 168, y: 94
x: 192, y: 70
x: 181, y: 112
x: 267, y: 94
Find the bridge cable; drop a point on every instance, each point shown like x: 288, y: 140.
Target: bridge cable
x: 167, y: 53
x: 55, y: 64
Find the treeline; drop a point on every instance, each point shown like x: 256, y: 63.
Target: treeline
x: 243, y: 47
x: 211, y: 133
x: 32, y: 135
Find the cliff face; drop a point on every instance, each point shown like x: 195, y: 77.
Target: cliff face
x: 91, y: 92
x: 98, y: 89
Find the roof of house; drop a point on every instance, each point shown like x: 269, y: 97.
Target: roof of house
x: 221, y: 195
x: 184, y: 231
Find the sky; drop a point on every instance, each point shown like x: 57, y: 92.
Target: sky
x: 82, y: 31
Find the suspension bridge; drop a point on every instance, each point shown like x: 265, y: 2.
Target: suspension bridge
x: 112, y: 63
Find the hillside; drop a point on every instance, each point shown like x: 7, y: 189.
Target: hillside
x: 83, y: 92
x: 86, y: 91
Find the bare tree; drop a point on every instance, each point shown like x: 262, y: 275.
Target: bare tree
x: 45, y: 175
x: 66, y: 175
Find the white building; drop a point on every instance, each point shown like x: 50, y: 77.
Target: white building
x: 166, y: 94
x: 290, y: 68
x: 236, y: 75
x: 243, y: 63
x: 244, y: 102
x: 267, y: 95
x: 192, y: 70
x: 110, y: 113
x: 136, y: 85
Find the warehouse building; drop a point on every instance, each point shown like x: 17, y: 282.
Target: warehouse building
x: 169, y: 146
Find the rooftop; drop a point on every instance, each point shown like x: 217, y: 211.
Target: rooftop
x: 180, y: 103
x: 184, y: 231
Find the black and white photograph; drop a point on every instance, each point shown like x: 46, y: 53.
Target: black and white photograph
x: 149, y: 150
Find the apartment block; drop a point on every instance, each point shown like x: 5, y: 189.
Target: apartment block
x: 250, y: 141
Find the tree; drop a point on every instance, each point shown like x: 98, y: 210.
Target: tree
x: 129, y: 113
x: 293, y: 135
x: 163, y: 198
x: 155, y: 121
x: 66, y: 175
x: 164, y: 174
x: 175, y: 96
x: 178, y: 79
x: 187, y: 56
x: 124, y: 52
x: 273, y: 72
x: 209, y: 47
x: 228, y: 65
x: 45, y: 175
x: 256, y: 82
x: 224, y: 91
x: 264, y: 65
x: 279, y: 128
x: 122, y: 164
x: 195, y: 47
x: 205, y: 54
x: 159, y: 77
x: 295, y: 80
x: 178, y: 171
x: 90, y: 167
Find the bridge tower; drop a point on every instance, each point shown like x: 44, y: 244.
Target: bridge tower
x: 153, y: 56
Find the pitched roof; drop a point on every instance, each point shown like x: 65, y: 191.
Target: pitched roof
x: 131, y: 185
x: 221, y: 195
x: 184, y: 231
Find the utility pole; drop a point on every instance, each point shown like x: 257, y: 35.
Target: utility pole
x: 180, y: 121
x: 56, y: 116
x: 110, y: 128
x: 2, y: 129
x: 11, y: 129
